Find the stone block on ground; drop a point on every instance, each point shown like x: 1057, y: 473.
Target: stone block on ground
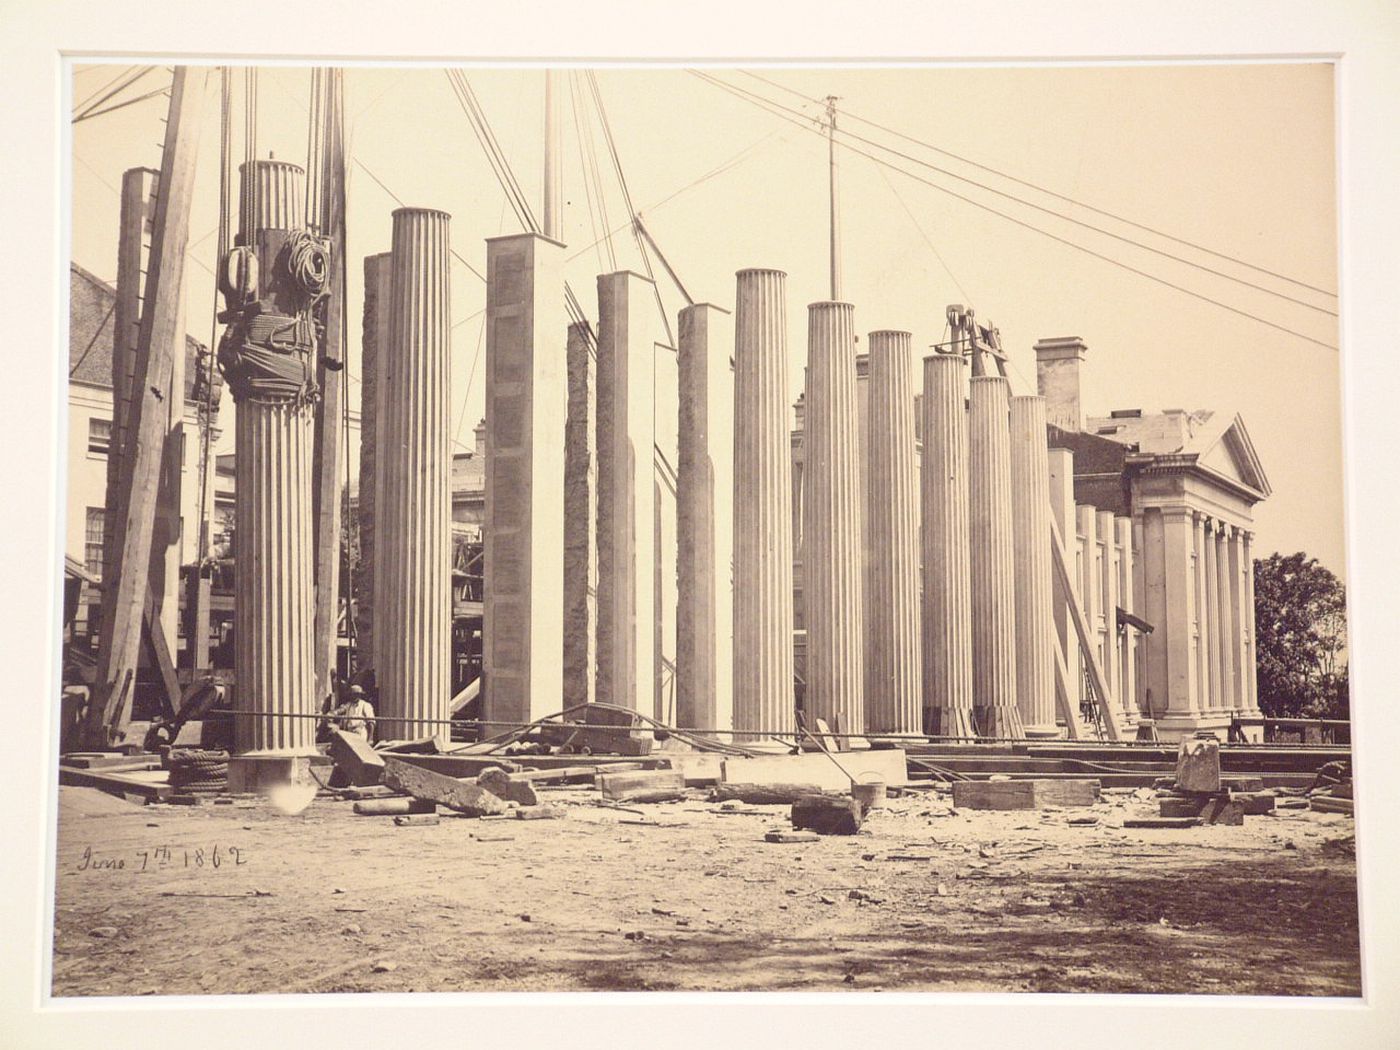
x: 1198, y: 765
x: 1256, y: 803
x: 655, y: 785
x: 699, y: 767
x: 1223, y: 810
x: 1326, y: 804
x: 1024, y: 794
x: 828, y: 814
x: 414, y: 820
x: 460, y: 795
x: 891, y: 766
x: 503, y: 785
x: 357, y: 761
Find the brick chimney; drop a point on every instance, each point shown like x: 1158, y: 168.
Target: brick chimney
x: 1057, y: 380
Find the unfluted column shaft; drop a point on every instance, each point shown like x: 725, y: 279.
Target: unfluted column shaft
x: 832, y: 527
x: 274, y: 598
x: 1035, y: 614
x: 947, y: 567
x: 580, y: 517
x: 413, y: 538
x: 374, y: 342
x: 705, y: 520
x: 763, y: 679
x: 993, y: 560
x: 627, y: 612
x: 526, y: 409
x: 894, y: 683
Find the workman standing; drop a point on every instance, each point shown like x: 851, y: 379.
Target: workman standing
x: 356, y: 715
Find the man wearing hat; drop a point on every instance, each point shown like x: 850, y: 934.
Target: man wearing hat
x: 356, y: 714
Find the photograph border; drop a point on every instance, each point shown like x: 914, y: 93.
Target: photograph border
x: 38, y: 41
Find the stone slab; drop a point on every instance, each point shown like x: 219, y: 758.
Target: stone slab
x: 353, y: 756
x: 887, y: 765
x: 1024, y: 794
x: 461, y: 795
x: 504, y: 786
x: 699, y: 768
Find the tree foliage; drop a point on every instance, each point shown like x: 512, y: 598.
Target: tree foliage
x: 1300, y: 638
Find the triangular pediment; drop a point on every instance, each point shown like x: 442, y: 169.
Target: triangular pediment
x: 1232, y: 456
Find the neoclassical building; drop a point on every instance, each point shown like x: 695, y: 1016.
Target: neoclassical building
x: 1188, y: 483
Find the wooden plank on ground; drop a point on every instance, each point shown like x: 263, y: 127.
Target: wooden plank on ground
x: 657, y: 785
x: 1024, y: 794
x: 118, y: 784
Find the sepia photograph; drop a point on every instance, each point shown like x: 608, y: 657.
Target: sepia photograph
x: 705, y: 528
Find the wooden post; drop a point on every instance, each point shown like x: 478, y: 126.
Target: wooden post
x: 326, y: 461
x: 160, y: 339
x: 1097, y: 683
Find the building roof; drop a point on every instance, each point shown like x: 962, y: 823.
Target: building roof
x: 1215, y: 442
x: 91, y: 311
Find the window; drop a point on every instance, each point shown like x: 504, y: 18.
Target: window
x: 92, y: 539
x: 99, y: 436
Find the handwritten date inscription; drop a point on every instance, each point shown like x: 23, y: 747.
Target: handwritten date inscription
x: 164, y: 858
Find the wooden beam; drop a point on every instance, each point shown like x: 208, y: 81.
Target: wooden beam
x: 161, y: 338
x: 154, y: 635
x: 326, y: 463
x: 1064, y: 696
x: 1098, y: 684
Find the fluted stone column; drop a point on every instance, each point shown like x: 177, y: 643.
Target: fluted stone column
x: 1229, y: 640
x: 705, y: 520
x: 1172, y: 596
x: 526, y: 411
x: 1061, y: 469
x: 947, y: 567
x: 413, y: 538
x: 580, y: 516
x: 894, y: 684
x: 1108, y: 609
x: 1035, y: 617
x: 832, y: 527
x: 763, y: 682
x: 1127, y: 640
x: 274, y: 563
x: 374, y: 344
x: 993, y: 560
x: 1205, y: 696
x: 1250, y: 635
x: 274, y: 585
x: 627, y: 612
x: 1209, y: 536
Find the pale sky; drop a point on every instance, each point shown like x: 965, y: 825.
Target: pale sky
x: 1239, y: 159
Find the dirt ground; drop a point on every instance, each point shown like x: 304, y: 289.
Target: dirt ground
x: 231, y: 899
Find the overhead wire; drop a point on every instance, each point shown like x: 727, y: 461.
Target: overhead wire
x: 847, y: 114
x: 122, y: 105
x: 128, y: 77
x: 782, y: 113
x: 627, y: 199
x: 848, y: 134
